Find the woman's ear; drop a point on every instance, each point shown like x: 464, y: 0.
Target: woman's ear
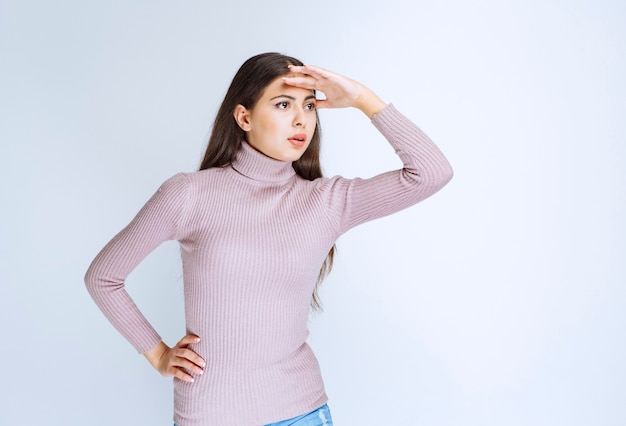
x: 241, y: 117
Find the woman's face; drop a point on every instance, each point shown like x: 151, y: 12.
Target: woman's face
x: 282, y: 122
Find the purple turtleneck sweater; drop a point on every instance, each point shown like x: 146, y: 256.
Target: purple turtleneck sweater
x: 253, y: 237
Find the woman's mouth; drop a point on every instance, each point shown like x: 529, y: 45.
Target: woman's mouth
x: 298, y: 140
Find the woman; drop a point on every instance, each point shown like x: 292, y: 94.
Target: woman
x: 257, y: 226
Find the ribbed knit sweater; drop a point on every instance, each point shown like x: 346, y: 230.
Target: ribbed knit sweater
x: 253, y: 236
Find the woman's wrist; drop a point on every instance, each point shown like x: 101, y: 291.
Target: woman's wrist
x: 369, y: 103
x: 155, y: 354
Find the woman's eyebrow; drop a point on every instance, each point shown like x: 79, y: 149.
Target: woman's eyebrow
x: 292, y: 98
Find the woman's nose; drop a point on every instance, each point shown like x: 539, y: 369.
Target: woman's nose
x: 300, y: 118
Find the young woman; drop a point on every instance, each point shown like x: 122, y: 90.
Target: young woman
x: 256, y: 227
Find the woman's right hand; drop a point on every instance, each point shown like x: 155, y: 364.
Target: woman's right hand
x: 340, y: 91
x: 178, y: 361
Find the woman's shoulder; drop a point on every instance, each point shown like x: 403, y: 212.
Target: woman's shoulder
x: 197, y: 181
x: 197, y: 176
x: 329, y: 184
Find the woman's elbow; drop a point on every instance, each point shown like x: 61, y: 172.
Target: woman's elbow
x: 447, y: 174
x: 93, y: 279
x: 90, y: 279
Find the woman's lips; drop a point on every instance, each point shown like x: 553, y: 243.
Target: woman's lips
x: 298, y: 140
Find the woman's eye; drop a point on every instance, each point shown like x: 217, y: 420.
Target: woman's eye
x: 310, y: 106
x: 282, y: 105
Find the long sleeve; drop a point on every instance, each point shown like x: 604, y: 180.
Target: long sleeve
x: 425, y: 171
x: 155, y: 223
x: 253, y: 236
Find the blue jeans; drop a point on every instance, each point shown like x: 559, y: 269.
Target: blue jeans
x: 319, y: 417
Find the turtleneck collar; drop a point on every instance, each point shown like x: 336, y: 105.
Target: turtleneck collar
x: 258, y: 166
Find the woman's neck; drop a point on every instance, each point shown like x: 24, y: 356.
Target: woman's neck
x: 258, y: 166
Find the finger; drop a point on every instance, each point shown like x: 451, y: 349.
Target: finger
x: 191, y: 356
x: 303, y: 82
x: 188, y: 340
x: 196, y: 359
x: 181, y: 375
x: 311, y: 70
x: 187, y: 365
x: 322, y: 103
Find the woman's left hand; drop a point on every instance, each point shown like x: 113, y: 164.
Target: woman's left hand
x: 340, y: 91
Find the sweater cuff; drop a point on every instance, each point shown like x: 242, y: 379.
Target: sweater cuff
x: 386, y: 115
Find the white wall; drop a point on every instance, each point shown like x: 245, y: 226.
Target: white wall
x: 499, y: 301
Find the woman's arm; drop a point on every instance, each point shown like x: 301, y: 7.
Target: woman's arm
x: 155, y: 223
x: 425, y: 169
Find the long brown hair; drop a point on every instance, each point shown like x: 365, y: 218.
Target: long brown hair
x: 226, y: 136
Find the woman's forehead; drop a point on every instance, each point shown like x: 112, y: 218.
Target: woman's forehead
x: 278, y: 86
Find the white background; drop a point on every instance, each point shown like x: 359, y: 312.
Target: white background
x: 498, y: 301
